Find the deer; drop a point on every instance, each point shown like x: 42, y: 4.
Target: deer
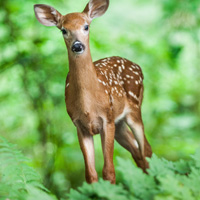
x: 102, y: 97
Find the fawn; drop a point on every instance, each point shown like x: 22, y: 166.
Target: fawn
x: 104, y: 96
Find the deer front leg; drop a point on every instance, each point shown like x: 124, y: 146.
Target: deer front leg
x: 107, y: 140
x: 87, y: 146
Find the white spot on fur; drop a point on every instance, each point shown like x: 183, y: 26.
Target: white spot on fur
x: 136, y: 143
x: 133, y: 95
x: 133, y: 66
x: 130, y: 69
x: 136, y: 73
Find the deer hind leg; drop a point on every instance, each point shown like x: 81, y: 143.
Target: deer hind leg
x: 137, y: 128
x: 87, y: 146
x: 127, y: 140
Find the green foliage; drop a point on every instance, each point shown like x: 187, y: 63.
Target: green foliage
x: 99, y: 190
x: 17, y: 179
x: 166, y: 180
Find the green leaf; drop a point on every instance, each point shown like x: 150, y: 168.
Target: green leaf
x: 196, y: 158
x: 17, y: 179
x: 138, y: 183
x: 170, y: 185
x: 101, y: 189
x: 160, y: 167
x: 182, y: 167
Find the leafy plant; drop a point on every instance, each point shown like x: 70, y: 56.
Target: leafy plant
x: 165, y: 180
x: 17, y: 179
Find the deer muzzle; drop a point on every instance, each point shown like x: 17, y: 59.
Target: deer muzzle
x: 78, y: 47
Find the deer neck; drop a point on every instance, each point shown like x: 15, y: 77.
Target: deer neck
x: 83, y: 75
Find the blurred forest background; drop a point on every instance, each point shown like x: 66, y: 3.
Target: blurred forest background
x: 163, y: 37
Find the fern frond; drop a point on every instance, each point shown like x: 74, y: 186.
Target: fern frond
x: 18, y: 180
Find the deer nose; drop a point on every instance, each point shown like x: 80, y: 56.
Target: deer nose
x: 78, y: 47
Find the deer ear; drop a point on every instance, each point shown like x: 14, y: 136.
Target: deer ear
x: 47, y: 15
x: 96, y: 8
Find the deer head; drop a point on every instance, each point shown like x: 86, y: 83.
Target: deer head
x: 74, y: 26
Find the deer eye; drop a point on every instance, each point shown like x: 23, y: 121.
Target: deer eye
x: 86, y: 27
x: 63, y: 31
